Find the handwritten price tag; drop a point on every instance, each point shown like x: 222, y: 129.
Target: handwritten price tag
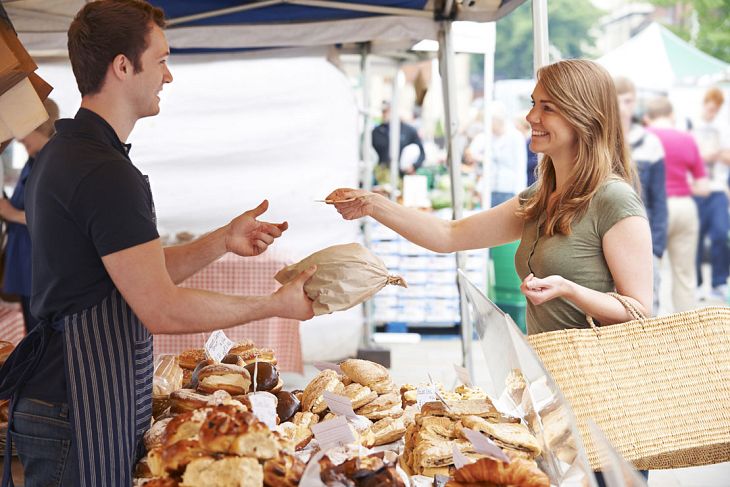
x: 328, y: 365
x: 333, y: 432
x: 218, y: 345
x: 264, y: 407
x: 425, y: 394
x: 485, y: 446
x: 340, y: 405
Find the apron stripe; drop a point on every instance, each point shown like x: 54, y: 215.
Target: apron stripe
x: 123, y: 336
x: 101, y: 397
x: 83, y: 433
x: 116, y: 445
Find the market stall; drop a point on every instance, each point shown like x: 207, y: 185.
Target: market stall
x: 302, y: 27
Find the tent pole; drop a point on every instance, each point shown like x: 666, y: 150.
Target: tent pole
x: 541, y: 46
x: 453, y: 160
x: 366, y: 178
x: 491, y: 29
x: 366, y: 140
x: 394, y: 130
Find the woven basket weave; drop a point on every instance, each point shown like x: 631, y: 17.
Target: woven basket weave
x: 658, y: 387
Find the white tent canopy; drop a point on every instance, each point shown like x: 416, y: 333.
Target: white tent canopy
x: 656, y: 59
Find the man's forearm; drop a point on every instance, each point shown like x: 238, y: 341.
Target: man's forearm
x: 196, y: 310
x: 182, y: 261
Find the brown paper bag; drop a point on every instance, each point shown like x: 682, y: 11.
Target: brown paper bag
x: 346, y: 276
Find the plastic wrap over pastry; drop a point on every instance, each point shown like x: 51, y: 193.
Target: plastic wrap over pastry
x: 346, y: 276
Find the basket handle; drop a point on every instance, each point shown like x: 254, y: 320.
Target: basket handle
x: 635, y: 313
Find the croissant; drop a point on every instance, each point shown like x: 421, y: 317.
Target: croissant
x: 519, y: 472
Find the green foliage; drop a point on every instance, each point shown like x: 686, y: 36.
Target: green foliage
x: 569, y: 24
x: 713, y: 17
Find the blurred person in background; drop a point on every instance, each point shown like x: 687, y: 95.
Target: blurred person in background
x: 682, y: 160
x: 647, y: 153
x: 524, y: 127
x: 713, y: 139
x: 17, y: 250
x: 508, y: 172
x: 411, y: 152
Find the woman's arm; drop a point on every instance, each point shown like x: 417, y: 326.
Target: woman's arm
x: 10, y: 213
x: 627, y: 249
x: 488, y: 228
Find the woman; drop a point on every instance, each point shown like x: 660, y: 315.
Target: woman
x: 17, y: 250
x: 583, y: 228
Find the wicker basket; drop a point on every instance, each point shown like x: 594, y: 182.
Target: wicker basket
x: 658, y: 387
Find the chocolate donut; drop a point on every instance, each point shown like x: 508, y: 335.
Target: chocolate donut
x: 287, y: 406
x: 234, y: 359
x: 267, y: 377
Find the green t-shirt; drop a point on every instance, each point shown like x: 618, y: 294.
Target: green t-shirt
x: 577, y: 257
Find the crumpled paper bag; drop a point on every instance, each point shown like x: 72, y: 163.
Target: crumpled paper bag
x: 346, y: 276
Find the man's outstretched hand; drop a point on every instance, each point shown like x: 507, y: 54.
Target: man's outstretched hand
x: 248, y: 236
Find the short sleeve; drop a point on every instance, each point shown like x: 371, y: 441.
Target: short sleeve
x: 113, y: 206
x: 615, y: 201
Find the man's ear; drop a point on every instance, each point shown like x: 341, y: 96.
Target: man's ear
x: 121, y: 67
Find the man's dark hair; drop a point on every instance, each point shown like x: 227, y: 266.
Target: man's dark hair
x: 101, y: 31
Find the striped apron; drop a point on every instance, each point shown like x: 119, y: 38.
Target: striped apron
x: 108, y: 367
x: 109, y: 383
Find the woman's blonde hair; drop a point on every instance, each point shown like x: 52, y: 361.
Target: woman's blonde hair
x: 584, y: 94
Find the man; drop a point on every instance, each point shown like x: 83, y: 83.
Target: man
x: 683, y: 162
x: 102, y: 282
x: 411, y: 147
x: 647, y: 153
x: 713, y: 139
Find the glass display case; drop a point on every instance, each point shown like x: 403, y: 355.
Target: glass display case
x: 522, y: 387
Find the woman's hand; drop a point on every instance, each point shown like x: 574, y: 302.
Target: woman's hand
x: 540, y: 291
x: 352, y: 203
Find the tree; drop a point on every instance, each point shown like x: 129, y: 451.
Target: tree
x: 713, y: 19
x: 569, y: 27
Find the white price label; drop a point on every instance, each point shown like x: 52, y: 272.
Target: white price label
x: 333, y: 432
x: 328, y: 365
x: 340, y: 405
x: 463, y: 375
x: 485, y: 446
x: 459, y: 458
x: 425, y: 394
x: 264, y: 407
x: 218, y: 345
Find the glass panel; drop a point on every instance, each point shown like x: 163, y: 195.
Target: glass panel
x: 522, y: 387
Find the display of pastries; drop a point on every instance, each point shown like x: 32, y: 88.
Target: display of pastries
x: 211, y: 437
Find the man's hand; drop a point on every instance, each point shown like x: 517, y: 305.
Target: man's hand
x: 292, y: 301
x: 247, y: 236
x: 539, y: 291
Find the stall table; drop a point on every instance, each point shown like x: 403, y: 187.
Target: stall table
x: 231, y: 275
x: 249, y: 276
